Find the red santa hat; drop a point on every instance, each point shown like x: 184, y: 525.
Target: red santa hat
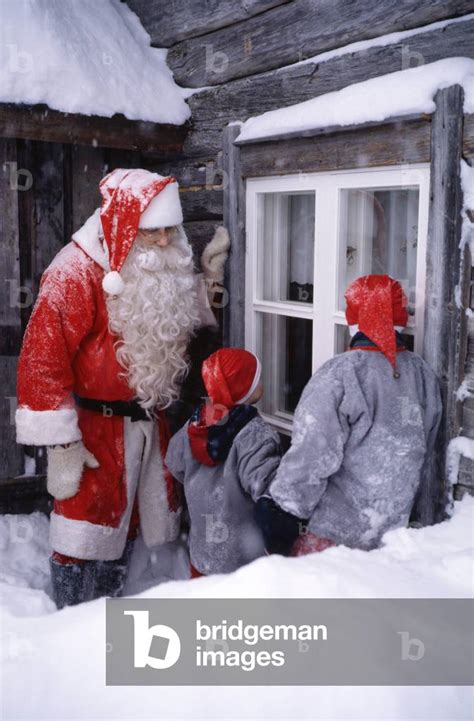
x: 133, y: 199
x: 376, y: 304
x: 231, y: 376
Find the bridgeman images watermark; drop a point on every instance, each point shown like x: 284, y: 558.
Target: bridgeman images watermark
x: 309, y: 642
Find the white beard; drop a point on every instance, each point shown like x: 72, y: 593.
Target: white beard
x: 155, y: 317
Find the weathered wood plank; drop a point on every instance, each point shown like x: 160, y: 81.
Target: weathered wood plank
x: 234, y: 220
x: 11, y: 455
x: 390, y: 144
x: 168, y: 22
x: 41, y: 211
x: 468, y: 138
x: 41, y: 123
x: 238, y: 100
x: 268, y: 40
x: 203, y: 172
x: 201, y: 204
x: 199, y: 233
x: 25, y: 495
x: 87, y: 170
x: 444, y: 321
x: 462, y: 490
x: 399, y: 120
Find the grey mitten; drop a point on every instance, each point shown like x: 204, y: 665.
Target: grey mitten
x: 65, y: 466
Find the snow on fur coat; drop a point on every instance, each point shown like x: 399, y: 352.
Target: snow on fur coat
x: 68, y: 349
x: 361, y: 446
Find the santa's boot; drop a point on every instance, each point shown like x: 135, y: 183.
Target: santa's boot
x: 73, y: 583
x: 110, y: 576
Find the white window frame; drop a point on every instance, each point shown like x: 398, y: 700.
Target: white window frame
x: 324, y: 312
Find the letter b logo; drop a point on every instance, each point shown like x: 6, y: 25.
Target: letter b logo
x: 144, y: 636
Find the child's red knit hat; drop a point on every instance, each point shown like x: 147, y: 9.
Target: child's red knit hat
x: 231, y: 376
x: 377, y: 303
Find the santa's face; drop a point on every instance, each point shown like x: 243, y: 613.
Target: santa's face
x: 155, y: 316
x: 160, y: 237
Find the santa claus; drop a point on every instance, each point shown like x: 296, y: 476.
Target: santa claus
x: 103, y: 356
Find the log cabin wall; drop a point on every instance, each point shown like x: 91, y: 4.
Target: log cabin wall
x: 243, y: 58
x: 244, y: 53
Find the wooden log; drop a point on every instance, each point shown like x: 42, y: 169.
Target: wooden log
x: 268, y: 40
x: 203, y: 172
x: 468, y: 138
x: 88, y: 168
x: 234, y: 220
x: 168, y: 22
x: 11, y: 298
x: 444, y: 321
x: 359, y: 147
x: 25, y: 495
x: 41, y: 211
x: 461, y: 490
x: 199, y: 233
x: 201, y: 204
x: 41, y: 123
x: 238, y: 100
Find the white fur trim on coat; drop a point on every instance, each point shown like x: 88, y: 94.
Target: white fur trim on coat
x: 46, y: 428
x: 88, y: 238
x: 255, y: 382
x: 143, y: 474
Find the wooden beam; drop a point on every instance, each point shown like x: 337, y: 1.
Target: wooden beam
x: 234, y: 220
x: 41, y: 123
x: 360, y: 147
x: 296, y: 31
x: 445, y: 331
x: 25, y: 495
x: 331, y: 129
x: 169, y: 22
x: 213, y: 109
x: 468, y: 138
x: 199, y: 233
x: 11, y: 299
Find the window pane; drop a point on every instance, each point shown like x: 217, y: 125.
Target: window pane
x: 286, y: 246
x: 379, y: 233
x: 284, y: 347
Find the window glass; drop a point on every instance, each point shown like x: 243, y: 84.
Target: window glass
x: 378, y: 231
x: 286, y: 246
x: 285, y: 350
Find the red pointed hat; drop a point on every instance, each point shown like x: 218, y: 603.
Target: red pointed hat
x: 231, y: 376
x: 132, y: 199
x: 377, y: 303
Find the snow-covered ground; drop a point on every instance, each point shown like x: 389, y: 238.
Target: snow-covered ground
x: 53, y: 663
x: 86, y: 57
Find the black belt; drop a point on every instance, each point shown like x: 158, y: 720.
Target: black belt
x: 131, y: 409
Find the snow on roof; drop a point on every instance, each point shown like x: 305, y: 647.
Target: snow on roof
x: 87, y: 57
x: 401, y: 93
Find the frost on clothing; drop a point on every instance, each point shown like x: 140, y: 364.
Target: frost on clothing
x: 360, y: 440
x: 220, y: 499
x: 69, y: 349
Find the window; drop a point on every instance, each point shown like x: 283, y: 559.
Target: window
x: 308, y: 237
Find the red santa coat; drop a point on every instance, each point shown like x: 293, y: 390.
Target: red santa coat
x: 68, y: 349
